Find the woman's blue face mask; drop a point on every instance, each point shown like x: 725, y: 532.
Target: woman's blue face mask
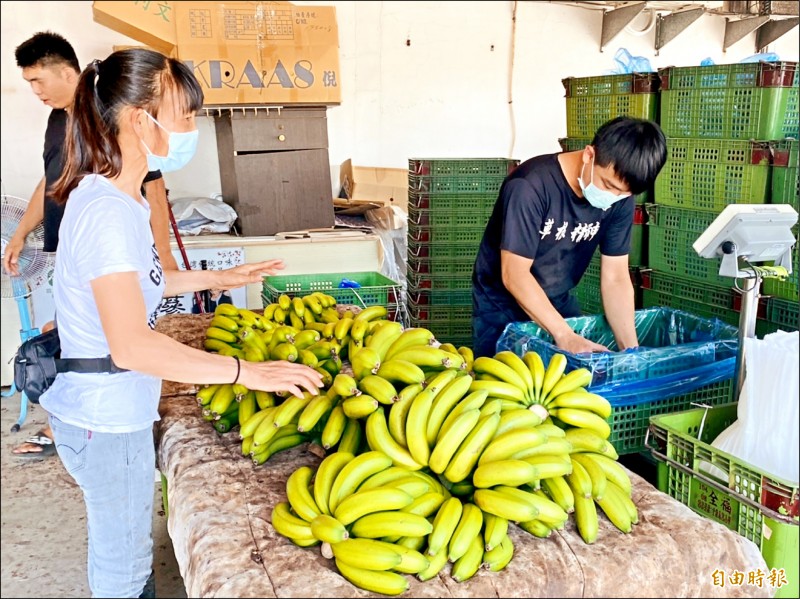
x: 182, y: 148
x: 599, y: 198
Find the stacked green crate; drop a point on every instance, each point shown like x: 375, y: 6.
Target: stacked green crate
x: 719, y: 121
x: 449, y: 204
x: 592, y: 101
x: 786, y: 190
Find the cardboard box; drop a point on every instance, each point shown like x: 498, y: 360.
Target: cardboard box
x: 375, y: 186
x: 261, y: 52
x: 151, y: 23
x: 241, y: 52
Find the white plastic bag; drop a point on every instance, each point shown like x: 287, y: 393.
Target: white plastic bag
x: 767, y: 432
x: 202, y: 215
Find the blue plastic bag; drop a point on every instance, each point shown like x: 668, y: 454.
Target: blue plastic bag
x: 626, y: 63
x: 679, y: 353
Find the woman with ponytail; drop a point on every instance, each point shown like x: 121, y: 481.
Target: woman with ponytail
x: 133, y: 112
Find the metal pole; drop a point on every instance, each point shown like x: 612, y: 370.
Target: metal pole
x: 747, y: 325
x: 198, y: 298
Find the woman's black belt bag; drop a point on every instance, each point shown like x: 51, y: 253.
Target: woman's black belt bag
x: 38, y: 362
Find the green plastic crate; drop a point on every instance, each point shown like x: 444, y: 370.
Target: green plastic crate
x: 454, y: 184
x: 376, y: 289
x: 442, y: 249
x: 784, y: 313
x: 759, y: 506
x: 653, y: 299
x: 448, y: 267
x: 457, y: 217
x: 672, y: 231
x: 435, y: 297
x: 720, y: 296
x: 629, y: 423
x: 438, y: 282
x: 462, y: 234
x: 570, y: 144
x: 709, y: 174
x: 730, y: 101
x: 458, y: 313
x: 457, y: 332
x: 591, y: 101
x: 785, y: 183
x: 451, y: 202
x: 462, y: 167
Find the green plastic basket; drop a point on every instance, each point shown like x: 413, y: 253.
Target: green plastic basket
x: 457, y: 217
x: 785, y: 163
x: 442, y: 250
x: 730, y: 101
x: 783, y: 313
x: 670, y: 285
x: 439, y: 282
x: 654, y: 299
x: 376, y: 289
x: 591, y: 101
x: 459, y: 313
x: 585, y: 114
x: 709, y: 174
x: 629, y: 423
x: 451, y: 202
x: 447, y: 267
x: 461, y: 235
x: 461, y: 167
x: 461, y: 184
x: 672, y: 231
x: 435, y: 297
x: 457, y: 332
x: 754, y: 503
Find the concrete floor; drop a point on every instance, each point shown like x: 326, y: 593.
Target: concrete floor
x: 43, y: 540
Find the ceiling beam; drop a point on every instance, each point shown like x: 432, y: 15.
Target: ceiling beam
x: 672, y: 25
x: 614, y: 21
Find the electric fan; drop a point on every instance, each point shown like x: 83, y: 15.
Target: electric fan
x: 34, y: 266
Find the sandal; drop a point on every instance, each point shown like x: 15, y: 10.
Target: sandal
x: 41, y: 440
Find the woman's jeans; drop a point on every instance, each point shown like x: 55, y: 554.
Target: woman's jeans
x: 115, y: 473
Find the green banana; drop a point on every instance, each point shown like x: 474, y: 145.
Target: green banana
x: 468, y: 528
x: 299, y: 496
x: 326, y: 474
x: 361, y: 503
x: 328, y: 529
x: 380, y: 439
x: 468, y: 564
x: 354, y: 473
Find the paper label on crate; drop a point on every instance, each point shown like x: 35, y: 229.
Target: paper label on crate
x: 715, y: 504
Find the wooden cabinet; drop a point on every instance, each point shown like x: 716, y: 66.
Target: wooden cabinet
x: 274, y: 168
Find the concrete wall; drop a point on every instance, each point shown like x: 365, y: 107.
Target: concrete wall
x: 419, y: 79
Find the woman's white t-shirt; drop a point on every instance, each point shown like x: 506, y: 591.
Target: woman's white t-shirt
x: 103, y: 231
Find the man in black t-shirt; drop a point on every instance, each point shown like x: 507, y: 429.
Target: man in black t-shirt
x: 49, y: 64
x: 552, y: 213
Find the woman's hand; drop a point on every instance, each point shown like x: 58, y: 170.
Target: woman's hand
x: 246, y: 274
x: 280, y: 375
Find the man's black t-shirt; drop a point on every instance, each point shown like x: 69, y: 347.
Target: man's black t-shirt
x: 539, y: 216
x: 54, y: 145
x: 54, y: 138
